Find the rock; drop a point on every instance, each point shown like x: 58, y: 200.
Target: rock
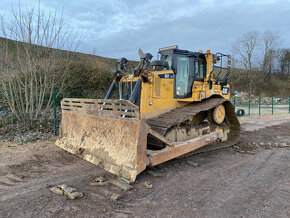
x: 284, y: 145
x: 56, y: 190
x: 261, y: 143
x: 63, y: 186
x: 242, y: 152
x: 250, y: 152
x: 192, y: 163
x: 154, y: 173
x: 148, y: 185
x: 276, y: 144
x: 125, y: 180
x: 99, y: 181
x: 68, y: 190
x: 121, y: 184
x: 74, y: 195
x: 114, y: 197
x: 236, y: 147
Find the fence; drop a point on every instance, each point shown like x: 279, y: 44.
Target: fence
x: 257, y: 105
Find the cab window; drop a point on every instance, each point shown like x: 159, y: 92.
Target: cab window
x: 167, y: 58
x: 199, y: 68
x: 182, y: 75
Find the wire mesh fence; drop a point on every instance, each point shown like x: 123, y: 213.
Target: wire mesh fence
x: 258, y: 105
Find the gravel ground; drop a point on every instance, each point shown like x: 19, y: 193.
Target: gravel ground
x: 251, y: 179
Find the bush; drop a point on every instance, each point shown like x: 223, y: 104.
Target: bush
x: 85, y: 81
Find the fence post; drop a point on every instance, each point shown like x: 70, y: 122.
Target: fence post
x: 54, y: 111
x: 259, y: 105
x: 249, y: 104
x: 235, y: 102
x: 289, y: 104
x: 272, y: 104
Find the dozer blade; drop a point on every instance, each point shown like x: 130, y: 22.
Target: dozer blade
x: 107, y: 133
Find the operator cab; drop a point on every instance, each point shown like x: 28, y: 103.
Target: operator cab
x: 187, y: 67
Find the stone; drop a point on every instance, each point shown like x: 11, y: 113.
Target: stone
x: 192, y: 163
x: 276, y: 144
x: 56, y: 190
x: 154, y: 173
x: 121, y: 184
x: 125, y: 180
x: 236, y: 147
x: 284, y: 145
x: 68, y: 190
x: 63, y: 186
x: 99, y: 181
x: 114, y: 197
x: 74, y: 195
x: 148, y: 185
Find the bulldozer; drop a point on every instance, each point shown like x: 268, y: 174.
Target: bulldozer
x: 174, y: 106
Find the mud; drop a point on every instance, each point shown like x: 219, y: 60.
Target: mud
x: 251, y: 179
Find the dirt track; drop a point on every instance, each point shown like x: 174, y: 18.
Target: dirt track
x: 249, y: 180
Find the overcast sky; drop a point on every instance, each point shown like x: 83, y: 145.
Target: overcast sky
x: 116, y: 28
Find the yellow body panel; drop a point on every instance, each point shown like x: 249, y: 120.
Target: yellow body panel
x: 157, y: 95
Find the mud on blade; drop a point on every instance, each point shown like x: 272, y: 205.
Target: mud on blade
x: 107, y: 133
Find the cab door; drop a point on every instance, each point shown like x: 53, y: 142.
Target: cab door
x: 183, y: 76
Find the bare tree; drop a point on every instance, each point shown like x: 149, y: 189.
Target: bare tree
x: 244, y: 50
x: 35, y: 61
x: 269, y: 43
x: 284, y: 61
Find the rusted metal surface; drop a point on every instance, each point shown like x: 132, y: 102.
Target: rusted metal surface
x: 161, y: 137
x: 119, y: 109
x: 168, y: 153
x: 94, y: 134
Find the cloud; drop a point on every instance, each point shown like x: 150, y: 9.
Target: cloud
x: 118, y: 28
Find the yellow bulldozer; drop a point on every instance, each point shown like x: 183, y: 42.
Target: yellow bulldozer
x: 167, y: 108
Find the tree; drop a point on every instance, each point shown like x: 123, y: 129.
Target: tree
x: 284, y: 61
x: 269, y: 43
x: 244, y: 50
x: 35, y: 61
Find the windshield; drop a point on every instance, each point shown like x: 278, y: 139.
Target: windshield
x: 167, y: 58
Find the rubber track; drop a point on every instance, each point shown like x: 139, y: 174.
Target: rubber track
x: 170, y: 119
